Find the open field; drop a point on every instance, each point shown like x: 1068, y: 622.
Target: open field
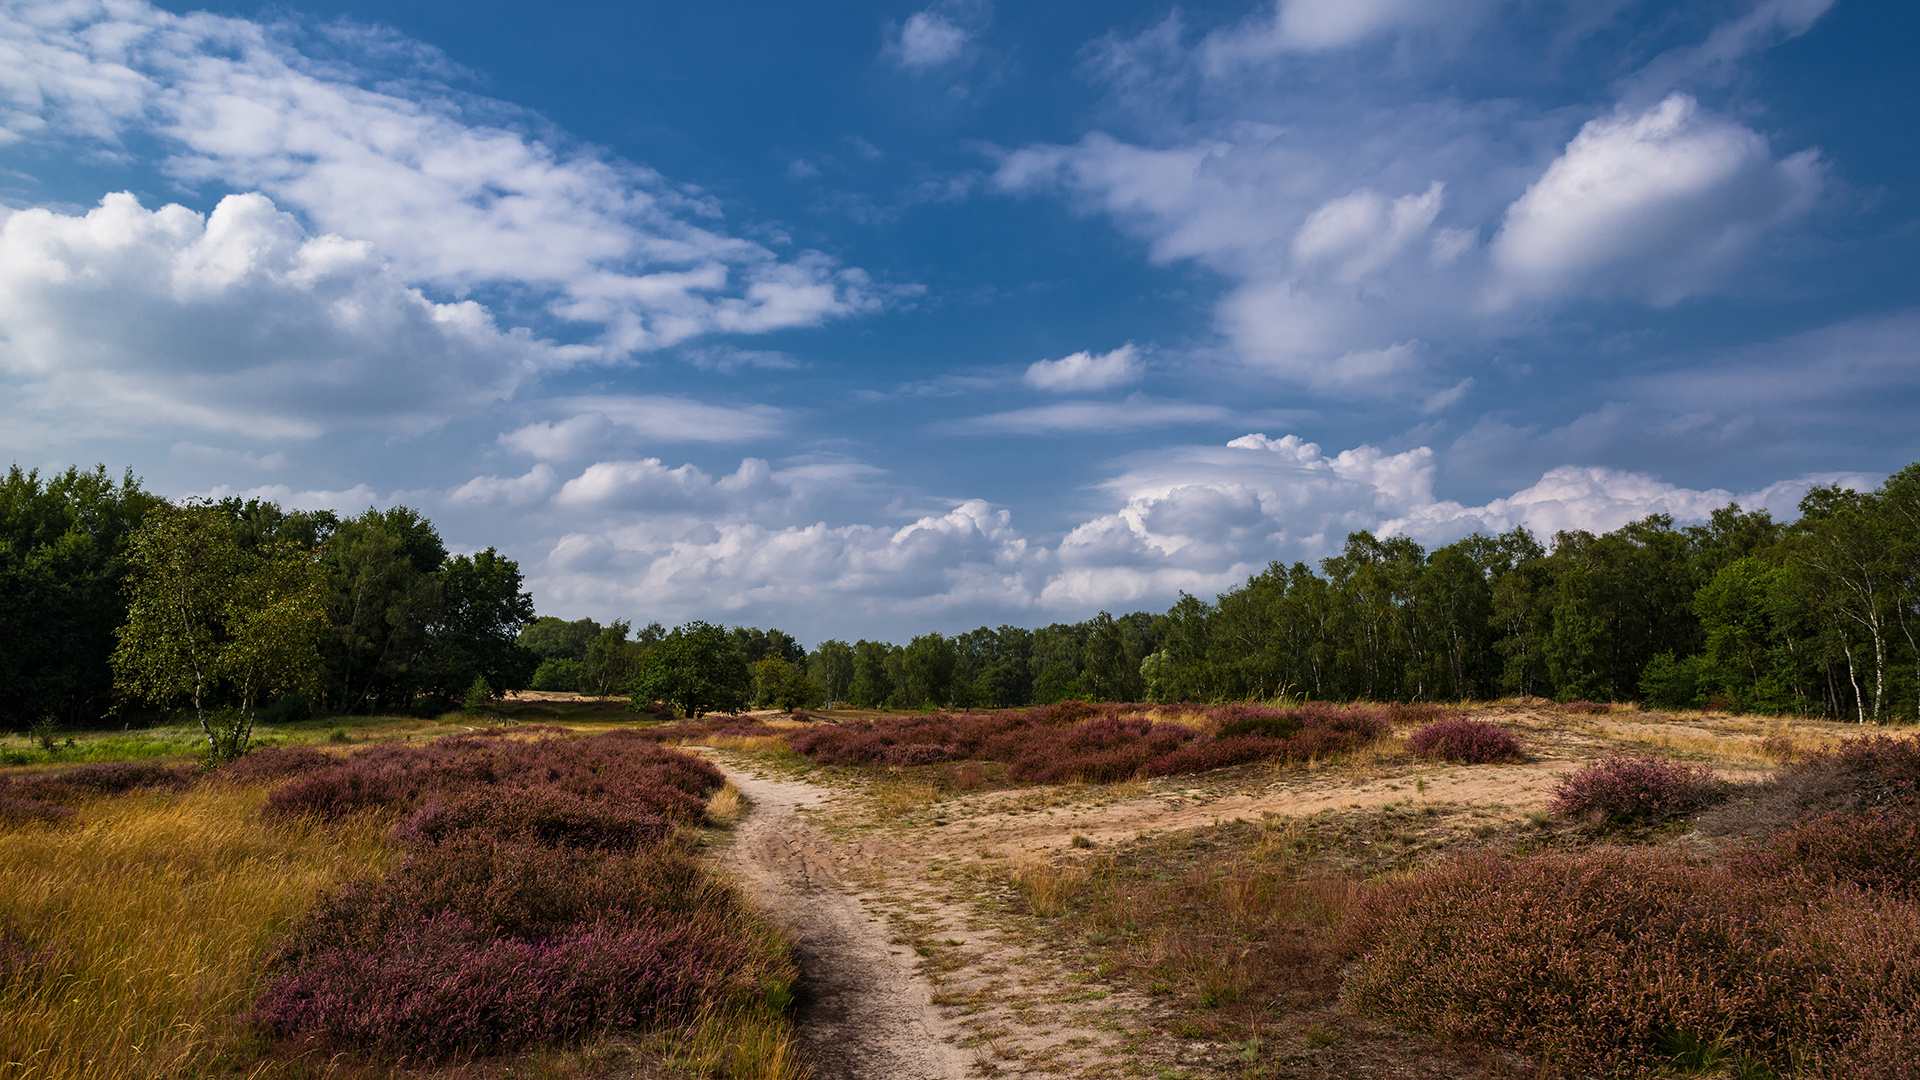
x: 950, y: 918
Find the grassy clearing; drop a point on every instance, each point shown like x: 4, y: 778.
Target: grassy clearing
x: 155, y: 914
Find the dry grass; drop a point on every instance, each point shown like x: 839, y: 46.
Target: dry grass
x: 159, y: 911
x: 726, y: 807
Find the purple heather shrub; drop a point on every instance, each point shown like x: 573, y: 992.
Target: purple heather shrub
x: 103, y: 778
x: 1627, y: 788
x: 1876, y: 849
x: 915, y: 754
x: 33, y: 811
x: 1473, y: 742
x: 1099, y: 743
x: 1597, y: 961
x: 403, y: 776
x: 538, y: 815
x: 543, y: 895
x: 1410, y: 713
x: 442, y: 985
x: 273, y: 764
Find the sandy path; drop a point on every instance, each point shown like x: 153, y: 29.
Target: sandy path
x: 865, y: 1009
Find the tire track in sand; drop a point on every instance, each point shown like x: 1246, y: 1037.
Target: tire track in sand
x: 865, y: 1011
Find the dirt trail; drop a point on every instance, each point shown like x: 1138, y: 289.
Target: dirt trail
x: 865, y: 1009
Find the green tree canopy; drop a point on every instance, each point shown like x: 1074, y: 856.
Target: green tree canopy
x: 697, y: 669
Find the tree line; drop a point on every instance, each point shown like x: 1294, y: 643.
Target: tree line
x: 1818, y: 617
x: 112, y: 597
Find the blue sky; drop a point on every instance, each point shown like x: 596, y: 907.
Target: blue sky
x: 869, y: 319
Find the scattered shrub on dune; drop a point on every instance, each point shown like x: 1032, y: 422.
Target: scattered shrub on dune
x: 1587, y: 708
x: 1473, y: 742
x: 1637, y: 789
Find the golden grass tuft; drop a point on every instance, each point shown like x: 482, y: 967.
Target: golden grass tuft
x: 159, y: 910
x: 726, y: 807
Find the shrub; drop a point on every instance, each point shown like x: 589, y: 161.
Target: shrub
x: 103, y: 778
x: 274, y: 764
x: 1877, y: 850
x: 558, y: 673
x: 1607, y: 961
x: 1589, y: 708
x: 542, y: 896
x: 1272, y: 726
x: 1871, y: 772
x: 17, y: 811
x: 915, y: 754
x: 537, y: 815
x: 1474, y: 742
x: 1624, y: 788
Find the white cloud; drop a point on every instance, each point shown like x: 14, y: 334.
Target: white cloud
x: 1080, y: 417
x: 1312, y: 25
x: 238, y: 321
x: 929, y: 39
x: 594, y: 425
x: 1663, y: 203
x: 450, y: 189
x: 1086, y: 371
x: 1360, y: 233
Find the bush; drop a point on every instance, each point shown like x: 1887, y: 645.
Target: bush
x: 1473, y: 742
x: 1588, y: 708
x: 542, y: 897
x: 103, y: 778
x: 1637, y: 789
x: 1878, y: 850
x: 1608, y: 962
x: 1867, y: 773
x: 274, y: 764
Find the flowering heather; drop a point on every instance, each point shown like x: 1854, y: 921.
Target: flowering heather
x: 1625, y: 788
x: 1099, y: 743
x: 404, y: 776
x: 1874, y: 849
x: 16, y: 811
x: 542, y: 896
x: 1474, y: 742
x: 1601, y: 962
x: 273, y: 763
x: 102, y: 778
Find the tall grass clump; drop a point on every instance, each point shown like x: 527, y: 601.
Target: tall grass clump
x: 1628, y: 963
x: 1472, y: 742
x: 545, y: 894
x: 144, y: 922
x: 1076, y: 741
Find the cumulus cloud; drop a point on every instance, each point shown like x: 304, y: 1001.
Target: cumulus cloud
x: 929, y: 39
x: 1085, y: 370
x: 1347, y: 211
x: 452, y: 190
x: 1662, y: 202
x: 236, y: 321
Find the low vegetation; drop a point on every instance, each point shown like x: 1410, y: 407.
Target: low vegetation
x: 405, y: 904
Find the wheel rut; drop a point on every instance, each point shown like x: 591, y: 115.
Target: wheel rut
x: 865, y: 1009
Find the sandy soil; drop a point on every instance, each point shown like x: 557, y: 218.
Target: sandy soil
x: 865, y: 1010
